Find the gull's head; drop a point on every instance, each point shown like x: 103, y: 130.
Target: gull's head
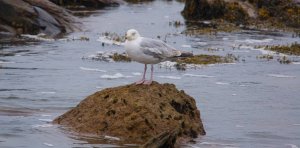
x: 132, y: 34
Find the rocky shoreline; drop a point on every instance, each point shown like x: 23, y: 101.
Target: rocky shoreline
x: 55, y: 18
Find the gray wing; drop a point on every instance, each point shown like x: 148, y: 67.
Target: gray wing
x: 158, y: 49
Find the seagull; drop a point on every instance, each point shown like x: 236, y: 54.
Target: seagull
x: 149, y: 51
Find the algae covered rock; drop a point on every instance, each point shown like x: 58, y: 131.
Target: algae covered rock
x: 214, y: 9
x: 260, y: 13
x: 136, y: 113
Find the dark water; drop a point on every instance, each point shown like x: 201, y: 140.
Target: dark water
x: 252, y: 103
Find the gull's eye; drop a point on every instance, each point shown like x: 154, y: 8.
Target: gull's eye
x: 133, y: 33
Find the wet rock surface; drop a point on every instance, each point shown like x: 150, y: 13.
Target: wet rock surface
x: 35, y: 16
x: 137, y: 114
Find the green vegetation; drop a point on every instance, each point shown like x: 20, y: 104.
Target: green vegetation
x: 120, y: 57
x: 207, y: 59
x: 285, y: 11
x: 293, y: 49
x: 234, y: 13
x: 204, y: 60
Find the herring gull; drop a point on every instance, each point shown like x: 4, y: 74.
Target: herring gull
x: 149, y: 51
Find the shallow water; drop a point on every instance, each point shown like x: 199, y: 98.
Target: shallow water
x: 251, y: 103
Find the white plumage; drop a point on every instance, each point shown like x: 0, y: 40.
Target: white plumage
x: 149, y: 51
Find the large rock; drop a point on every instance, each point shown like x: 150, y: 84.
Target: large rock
x: 136, y: 114
x: 35, y: 16
x: 232, y: 10
x: 255, y: 12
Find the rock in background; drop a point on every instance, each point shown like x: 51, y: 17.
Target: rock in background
x: 35, y: 16
x: 278, y: 13
x: 137, y: 114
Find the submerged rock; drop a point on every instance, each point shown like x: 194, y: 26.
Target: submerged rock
x: 137, y: 114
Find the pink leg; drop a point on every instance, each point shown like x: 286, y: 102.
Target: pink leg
x: 144, y: 75
x: 151, y: 78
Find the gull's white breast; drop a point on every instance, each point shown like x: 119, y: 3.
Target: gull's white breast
x: 135, y: 52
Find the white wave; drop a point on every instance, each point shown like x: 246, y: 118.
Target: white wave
x: 266, y: 52
x: 131, y: 145
x: 245, y: 47
x: 112, y: 138
x: 64, y: 39
x: 251, y: 41
x: 192, y: 146
x: 240, y: 51
x: 92, y: 56
x: 46, y: 120
x: 48, y: 144
x: 186, y: 46
x: 233, y: 94
x: 296, y: 63
x: 202, y: 43
x: 37, y: 37
x: 106, y: 40
x: 225, y: 39
x: 42, y: 125
x: 280, y: 76
x: 44, y: 115
x: 292, y: 145
x: 170, y: 77
x: 92, y: 69
x: 6, y: 33
x: 115, y: 76
x: 239, y: 126
x: 217, y: 144
x: 46, y: 92
x: 296, y: 124
x: 167, y: 64
x: 222, y: 83
x: 3, y: 62
x: 136, y: 73
x: 195, y: 75
x: 225, y: 64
